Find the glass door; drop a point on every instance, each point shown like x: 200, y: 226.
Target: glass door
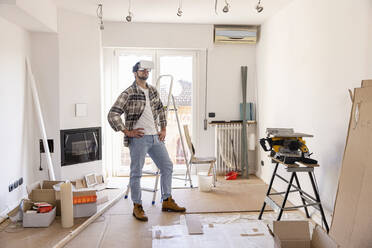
x: 179, y: 64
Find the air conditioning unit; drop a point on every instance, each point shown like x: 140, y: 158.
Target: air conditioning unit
x: 235, y: 34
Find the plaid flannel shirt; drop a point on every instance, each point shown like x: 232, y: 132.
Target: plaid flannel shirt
x: 131, y: 103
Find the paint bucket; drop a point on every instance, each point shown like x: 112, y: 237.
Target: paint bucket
x: 205, y: 181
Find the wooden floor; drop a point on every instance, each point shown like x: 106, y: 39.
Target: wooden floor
x: 118, y: 228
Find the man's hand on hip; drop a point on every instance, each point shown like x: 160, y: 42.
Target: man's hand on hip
x: 162, y: 134
x: 135, y: 133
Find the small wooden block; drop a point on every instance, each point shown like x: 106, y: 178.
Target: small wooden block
x: 251, y: 234
x: 308, y: 165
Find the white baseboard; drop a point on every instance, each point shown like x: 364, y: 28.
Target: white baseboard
x: 4, y: 215
x: 10, y: 207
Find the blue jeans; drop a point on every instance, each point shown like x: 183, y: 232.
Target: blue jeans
x: 139, y: 147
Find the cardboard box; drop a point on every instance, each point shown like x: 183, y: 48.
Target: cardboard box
x: 85, y: 210
x: 37, y: 219
x: 291, y: 234
x: 102, y: 197
x: 86, y: 192
x: 42, y: 191
x: 296, y: 234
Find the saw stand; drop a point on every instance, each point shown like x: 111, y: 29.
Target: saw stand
x: 307, y: 199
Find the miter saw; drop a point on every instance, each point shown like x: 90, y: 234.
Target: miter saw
x: 287, y: 146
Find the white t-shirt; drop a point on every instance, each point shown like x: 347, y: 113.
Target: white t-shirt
x: 146, y: 121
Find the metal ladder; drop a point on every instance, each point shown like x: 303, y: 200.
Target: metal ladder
x: 157, y: 172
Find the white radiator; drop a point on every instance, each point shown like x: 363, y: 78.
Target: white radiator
x: 228, y: 143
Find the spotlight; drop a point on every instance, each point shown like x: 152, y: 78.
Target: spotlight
x: 179, y: 12
x: 259, y: 7
x: 129, y: 17
x: 100, y: 17
x: 226, y: 8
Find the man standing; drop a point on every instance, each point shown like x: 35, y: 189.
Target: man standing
x: 144, y: 113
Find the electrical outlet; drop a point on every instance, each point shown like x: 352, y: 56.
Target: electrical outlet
x: 10, y: 188
x: 262, y: 163
x: 20, y: 181
x: 50, y: 145
x: 15, y: 185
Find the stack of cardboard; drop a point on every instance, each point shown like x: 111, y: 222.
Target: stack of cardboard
x: 352, y: 221
x: 41, y: 191
x: 85, y: 200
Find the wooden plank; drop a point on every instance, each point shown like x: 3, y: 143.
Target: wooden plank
x: 231, y: 123
x: 194, y: 225
x: 78, y: 230
x: 308, y: 165
x: 296, y: 165
x: 244, y: 146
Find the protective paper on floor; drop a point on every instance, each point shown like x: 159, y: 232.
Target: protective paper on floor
x: 251, y: 235
x: 267, y: 218
x: 221, y: 230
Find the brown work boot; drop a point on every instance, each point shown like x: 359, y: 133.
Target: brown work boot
x: 171, y: 206
x: 138, y: 212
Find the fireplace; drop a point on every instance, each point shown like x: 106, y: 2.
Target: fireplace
x: 80, y: 145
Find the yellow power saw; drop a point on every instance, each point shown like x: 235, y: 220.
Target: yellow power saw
x: 287, y: 146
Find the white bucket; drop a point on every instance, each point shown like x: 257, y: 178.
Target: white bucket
x: 205, y: 181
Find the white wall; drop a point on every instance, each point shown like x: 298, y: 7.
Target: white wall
x: 157, y: 35
x: 17, y: 127
x: 310, y: 53
x: 224, y: 73
x: 79, y: 46
x: 36, y: 15
x: 44, y: 60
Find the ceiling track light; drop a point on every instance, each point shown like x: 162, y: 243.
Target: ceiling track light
x: 226, y: 9
x: 130, y: 14
x: 100, y: 16
x: 179, y: 11
x: 259, y: 8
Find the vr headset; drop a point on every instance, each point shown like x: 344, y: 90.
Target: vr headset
x: 143, y: 65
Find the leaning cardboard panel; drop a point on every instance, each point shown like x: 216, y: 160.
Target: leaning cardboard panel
x: 352, y: 222
x: 367, y: 83
x: 320, y: 239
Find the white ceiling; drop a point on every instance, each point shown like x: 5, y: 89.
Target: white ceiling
x: 164, y: 11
